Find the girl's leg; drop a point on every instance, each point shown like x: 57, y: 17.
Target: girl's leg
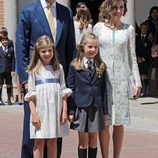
x: 118, y: 133
x: 104, y: 139
x: 52, y: 148
x: 38, y: 148
x: 83, y: 144
x: 92, y: 150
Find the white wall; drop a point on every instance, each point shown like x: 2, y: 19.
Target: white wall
x: 142, y: 8
x: 10, y: 12
x: 129, y: 18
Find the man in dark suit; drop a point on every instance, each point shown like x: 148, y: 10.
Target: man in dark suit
x: 33, y: 23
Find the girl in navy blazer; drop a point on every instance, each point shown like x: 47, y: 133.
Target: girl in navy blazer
x: 88, y: 102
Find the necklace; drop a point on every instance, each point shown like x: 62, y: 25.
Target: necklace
x: 113, y: 27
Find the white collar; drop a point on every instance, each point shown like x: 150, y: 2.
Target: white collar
x: 46, y: 4
x: 143, y: 35
x: 85, y: 60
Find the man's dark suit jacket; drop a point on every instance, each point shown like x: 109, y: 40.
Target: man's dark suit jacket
x: 86, y: 91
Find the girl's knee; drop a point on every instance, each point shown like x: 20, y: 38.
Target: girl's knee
x: 83, y: 140
x: 51, y: 142
x: 39, y: 143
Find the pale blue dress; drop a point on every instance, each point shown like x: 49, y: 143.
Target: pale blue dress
x: 117, y: 49
x: 48, y: 87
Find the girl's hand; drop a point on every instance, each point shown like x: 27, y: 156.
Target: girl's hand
x: 64, y: 117
x: 12, y: 73
x: 106, y: 117
x: 71, y: 118
x: 137, y: 92
x: 36, y: 120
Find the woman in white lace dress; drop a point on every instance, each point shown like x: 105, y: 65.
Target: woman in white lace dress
x: 117, y: 49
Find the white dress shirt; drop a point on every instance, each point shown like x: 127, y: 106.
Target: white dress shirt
x: 85, y: 62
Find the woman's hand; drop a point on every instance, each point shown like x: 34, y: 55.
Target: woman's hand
x: 137, y: 91
x: 106, y: 117
x: 140, y: 59
x: 36, y: 120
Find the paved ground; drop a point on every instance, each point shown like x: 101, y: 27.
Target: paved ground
x: 140, y: 141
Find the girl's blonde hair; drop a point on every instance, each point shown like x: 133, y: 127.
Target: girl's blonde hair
x: 41, y: 43
x: 107, y: 6
x: 84, y: 17
x: 78, y: 61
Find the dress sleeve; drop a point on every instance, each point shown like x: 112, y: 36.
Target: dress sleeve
x: 132, y: 57
x: 31, y: 94
x: 64, y: 89
x: 96, y: 28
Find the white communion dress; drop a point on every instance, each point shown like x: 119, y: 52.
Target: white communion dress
x: 48, y: 88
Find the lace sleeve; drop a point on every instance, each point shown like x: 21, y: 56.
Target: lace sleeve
x: 132, y: 56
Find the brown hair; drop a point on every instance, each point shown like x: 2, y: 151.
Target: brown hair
x: 107, y: 6
x: 78, y: 61
x: 84, y: 17
x: 35, y: 63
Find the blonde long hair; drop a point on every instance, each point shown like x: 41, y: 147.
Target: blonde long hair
x: 78, y: 61
x: 107, y: 6
x: 84, y: 17
x: 36, y: 63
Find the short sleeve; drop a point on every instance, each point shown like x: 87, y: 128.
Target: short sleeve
x: 64, y: 89
x: 31, y: 87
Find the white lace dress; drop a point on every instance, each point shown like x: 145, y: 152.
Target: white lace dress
x: 117, y: 49
x: 48, y: 87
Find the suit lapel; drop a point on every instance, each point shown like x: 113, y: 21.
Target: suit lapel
x: 60, y: 23
x: 42, y: 19
x: 85, y: 73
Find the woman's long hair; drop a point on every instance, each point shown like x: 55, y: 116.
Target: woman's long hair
x: 84, y: 17
x: 151, y: 11
x: 107, y: 6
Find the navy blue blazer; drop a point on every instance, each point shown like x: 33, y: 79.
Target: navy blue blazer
x: 86, y: 92
x: 33, y: 24
x: 7, y: 59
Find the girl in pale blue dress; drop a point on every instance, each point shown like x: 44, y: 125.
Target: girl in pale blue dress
x: 47, y: 96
